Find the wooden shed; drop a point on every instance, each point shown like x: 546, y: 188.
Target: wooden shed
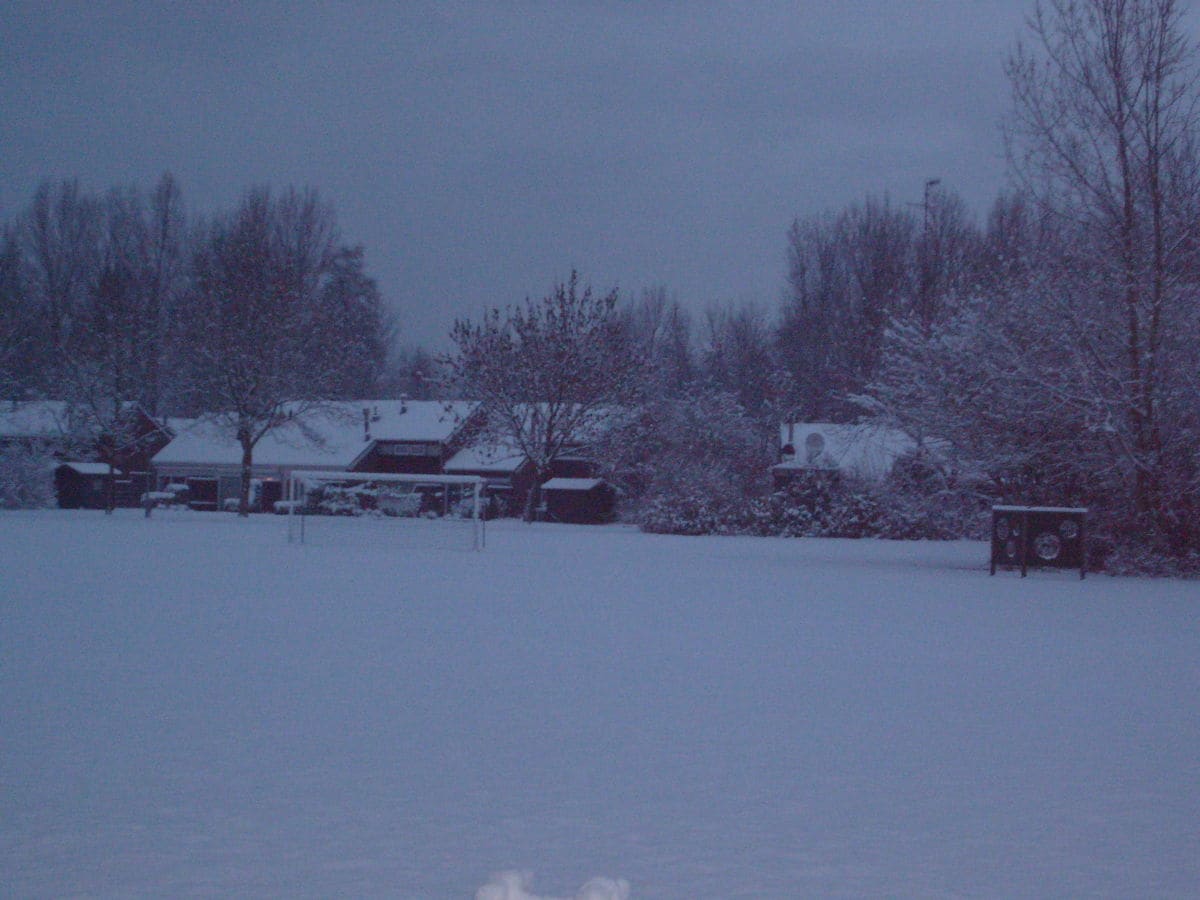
x: 81, y: 485
x: 582, y: 501
x: 85, y: 485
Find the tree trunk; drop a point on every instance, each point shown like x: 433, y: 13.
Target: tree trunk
x: 534, y: 498
x: 110, y: 491
x: 247, y: 466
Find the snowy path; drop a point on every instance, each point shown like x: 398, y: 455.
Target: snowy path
x: 191, y: 706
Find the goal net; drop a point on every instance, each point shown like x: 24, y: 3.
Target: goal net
x: 443, y: 511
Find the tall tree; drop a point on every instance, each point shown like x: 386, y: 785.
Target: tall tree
x: 662, y: 329
x: 108, y: 271
x: 416, y: 373
x: 1103, y: 135
x: 848, y: 275
x: 19, y: 326
x: 551, y: 375
x: 739, y: 358
x: 948, y: 256
x: 264, y: 341
x: 60, y: 237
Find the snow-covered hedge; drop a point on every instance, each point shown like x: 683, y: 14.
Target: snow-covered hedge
x: 823, y: 504
x: 26, y: 479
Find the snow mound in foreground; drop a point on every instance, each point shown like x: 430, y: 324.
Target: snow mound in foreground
x: 515, y: 886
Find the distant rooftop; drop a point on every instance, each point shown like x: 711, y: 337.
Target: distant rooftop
x: 335, y: 436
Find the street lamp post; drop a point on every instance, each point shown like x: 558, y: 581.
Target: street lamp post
x: 930, y: 184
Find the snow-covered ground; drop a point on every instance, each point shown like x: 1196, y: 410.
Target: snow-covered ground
x: 192, y: 706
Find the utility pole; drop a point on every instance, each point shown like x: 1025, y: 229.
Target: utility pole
x: 925, y: 262
x: 930, y: 184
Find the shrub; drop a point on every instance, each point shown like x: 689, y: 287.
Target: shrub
x: 822, y: 503
x: 26, y: 481
x: 693, y: 513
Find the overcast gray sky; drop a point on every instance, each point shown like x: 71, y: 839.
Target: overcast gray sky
x: 479, y: 151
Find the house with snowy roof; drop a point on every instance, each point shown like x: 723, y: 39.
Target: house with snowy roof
x: 396, y: 436
x: 506, y: 471
x: 69, y: 432
x: 572, y: 492
x: 44, y: 424
x: 865, y: 451
x: 84, y: 448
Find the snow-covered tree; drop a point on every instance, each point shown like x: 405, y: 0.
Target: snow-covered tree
x: 279, y: 318
x: 97, y: 279
x: 698, y: 446
x: 1103, y: 136
x: 738, y: 356
x: 552, y: 375
x: 19, y: 326
x: 852, y: 273
x: 25, y: 481
x: 662, y: 331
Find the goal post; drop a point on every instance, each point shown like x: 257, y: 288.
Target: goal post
x: 379, y: 495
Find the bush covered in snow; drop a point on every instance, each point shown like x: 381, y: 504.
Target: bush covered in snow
x: 686, y: 462
x: 25, y: 479
x: 822, y: 503
x: 691, y: 512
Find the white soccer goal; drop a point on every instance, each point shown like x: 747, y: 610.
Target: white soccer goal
x: 437, y: 510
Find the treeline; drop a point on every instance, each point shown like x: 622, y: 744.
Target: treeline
x: 121, y: 297
x: 1052, y: 353
x: 1049, y: 354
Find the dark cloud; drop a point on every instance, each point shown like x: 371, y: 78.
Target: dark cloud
x: 481, y: 150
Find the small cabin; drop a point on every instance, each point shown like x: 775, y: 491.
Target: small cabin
x: 84, y: 485
x: 580, y: 501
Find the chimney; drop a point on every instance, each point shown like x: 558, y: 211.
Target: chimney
x: 366, y: 424
x: 403, y: 404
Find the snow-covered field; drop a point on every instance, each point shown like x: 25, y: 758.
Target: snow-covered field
x: 192, y: 706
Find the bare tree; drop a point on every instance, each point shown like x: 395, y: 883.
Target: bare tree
x: 1103, y: 135
x: 60, y: 239
x: 105, y: 274
x: 663, y: 331
x: 948, y: 256
x: 1070, y: 375
x: 20, y: 330
x: 739, y: 358
x: 849, y: 275
x: 263, y: 341
x: 551, y: 374
x: 417, y: 373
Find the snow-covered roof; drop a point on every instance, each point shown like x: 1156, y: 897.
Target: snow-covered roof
x: 333, y: 437
x: 89, y: 468
x: 867, y: 450
x: 35, y: 418
x: 178, y: 424
x: 410, y: 420
x: 571, y: 484
x: 486, y: 458
x: 47, y: 419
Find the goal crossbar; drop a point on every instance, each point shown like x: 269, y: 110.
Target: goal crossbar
x: 328, y: 475
x: 298, y: 483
